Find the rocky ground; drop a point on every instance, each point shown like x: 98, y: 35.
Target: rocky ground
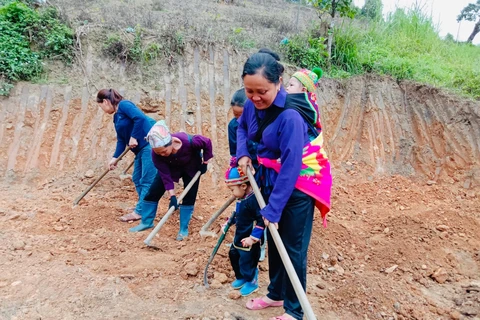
x: 394, y: 249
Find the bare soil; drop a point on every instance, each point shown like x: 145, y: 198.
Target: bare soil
x: 403, y: 240
x: 394, y: 249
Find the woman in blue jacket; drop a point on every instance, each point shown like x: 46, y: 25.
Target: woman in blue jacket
x: 132, y: 126
x: 281, y: 133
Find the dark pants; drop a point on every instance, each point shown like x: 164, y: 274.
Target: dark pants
x: 244, y: 263
x: 295, y: 229
x: 157, y: 189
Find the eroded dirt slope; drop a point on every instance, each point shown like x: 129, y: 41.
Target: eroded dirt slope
x: 402, y: 240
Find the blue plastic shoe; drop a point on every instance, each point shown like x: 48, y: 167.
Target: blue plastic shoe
x: 262, y: 248
x: 249, y: 288
x: 262, y: 252
x: 238, y: 283
x: 148, y: 212
x: 140, y: 227
x: 186, y: 213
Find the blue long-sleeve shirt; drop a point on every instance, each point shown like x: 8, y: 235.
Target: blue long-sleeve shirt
x: 232, y: 136
x: 130, y: 121
x: 232, y: 142
x: 246, y: 213
x: 284, y: 138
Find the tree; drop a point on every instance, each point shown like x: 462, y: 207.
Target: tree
x: 372, y: 9
x: 471, y: 13
x: 342, y: 8
x: 449, y: 37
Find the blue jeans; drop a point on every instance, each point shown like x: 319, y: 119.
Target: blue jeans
x: 144, y: 173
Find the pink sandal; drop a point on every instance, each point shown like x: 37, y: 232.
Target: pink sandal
x: 259, y: 304
x: 130, y: 217
x: 282, y: 317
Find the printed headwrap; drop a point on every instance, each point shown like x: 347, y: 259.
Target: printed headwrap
x: 235, y: 176
x: 308, y: 78
x: 159, y: 135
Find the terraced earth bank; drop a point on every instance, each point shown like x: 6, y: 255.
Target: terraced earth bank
x: 403, y: 239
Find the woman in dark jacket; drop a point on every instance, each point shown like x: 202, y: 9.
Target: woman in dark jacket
x: 177, y: 155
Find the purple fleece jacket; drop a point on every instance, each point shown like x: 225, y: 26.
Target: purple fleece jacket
x: 187, y: 159
x: 284, y: 138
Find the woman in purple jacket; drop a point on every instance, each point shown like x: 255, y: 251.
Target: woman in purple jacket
x: 281, y: 133
x: 177, y: 155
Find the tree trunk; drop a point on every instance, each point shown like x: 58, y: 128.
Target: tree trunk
x: 476, y: 30
x: 334, y: 8
x: 330, y: 31
x: 297, y: 18
x: 330, y: 40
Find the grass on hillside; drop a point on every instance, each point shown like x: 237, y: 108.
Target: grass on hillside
x: 405, y: 46
x: 148, y: 32
x: 140, y: 33
x: 165, y: 26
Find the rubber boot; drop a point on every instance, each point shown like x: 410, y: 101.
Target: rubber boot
x: 250, y: 287
x: 238, y: 283
x: 149, y: 211
x: 262, y: 248
x: 186, y: 213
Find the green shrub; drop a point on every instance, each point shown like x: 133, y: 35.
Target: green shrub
x: 135, y: 51
x: 130, y: 47
x: 305, y: 51
x: 345, y: 55
x: 5, y: 88
x: 114, y: 47
x: 26, y: 37
x: 17, y: 60
x: 397, y: 67
x: 240, y: 39
x: 469, y: 82
x: 152, y: 51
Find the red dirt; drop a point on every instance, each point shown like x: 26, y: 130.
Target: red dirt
x: 402, y: 241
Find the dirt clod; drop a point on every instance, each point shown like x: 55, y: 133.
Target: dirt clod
x: 216, y: 284
x: 16, y: 283
x: 234, y: 295
x: 191, y: 269
x: 263, y: 267
x: 455, y: 315
x: 89, y: 174
x: 18, y: 245
x: 440, y: 275
x: 13, y: 216
x: 221, y: 277
x: 391, y: 269
x: 442, y: 228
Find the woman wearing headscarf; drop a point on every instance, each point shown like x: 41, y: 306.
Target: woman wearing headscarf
x: 176, y: 156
